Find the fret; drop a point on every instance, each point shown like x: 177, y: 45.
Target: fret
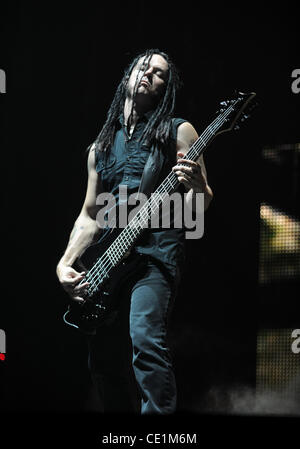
x: 209, y: 129
x: 101, y: 273
x: 202, y: 141
x: 136, y: 228
x: 168, y: 180
x: 112, y: 256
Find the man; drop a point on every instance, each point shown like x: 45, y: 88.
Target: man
x: 129, y: 357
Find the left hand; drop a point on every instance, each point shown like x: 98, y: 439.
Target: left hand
x: 190, y: 174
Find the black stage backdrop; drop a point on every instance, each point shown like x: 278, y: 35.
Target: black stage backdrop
x: 62, y: 67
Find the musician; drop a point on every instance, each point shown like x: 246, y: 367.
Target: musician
x: 129, y: 356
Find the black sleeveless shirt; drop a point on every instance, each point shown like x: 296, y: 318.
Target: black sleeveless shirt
x: 124, y: 165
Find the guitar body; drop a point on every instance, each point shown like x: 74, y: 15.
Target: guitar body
x: 102, y: 305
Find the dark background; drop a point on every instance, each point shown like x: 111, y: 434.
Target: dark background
x: 63, y: 66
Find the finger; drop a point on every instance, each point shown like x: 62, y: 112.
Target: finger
x: 179, y: 168
x: 81, y: 287
x: 69, y: 281
x: 69, y: 285
x: 78, y: 277
x: 73, y: 280
x: 184, y: 181
x: 76, y: 290
x: 192, y: 168
x: 184, y: 171
x: 78, y: 299
x: 188, y: 163
x: 185, y: 174
x: 79, y: 293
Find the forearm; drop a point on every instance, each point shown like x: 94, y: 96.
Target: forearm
x: 191, y: 197
x: 83, y: 233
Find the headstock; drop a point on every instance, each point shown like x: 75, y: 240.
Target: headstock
x: 234, y: 112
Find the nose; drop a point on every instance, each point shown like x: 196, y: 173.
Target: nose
x: 149, y: 71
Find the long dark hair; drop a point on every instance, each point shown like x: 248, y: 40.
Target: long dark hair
x: 157, y: 130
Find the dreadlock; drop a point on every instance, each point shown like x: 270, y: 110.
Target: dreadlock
x: 157, y: 130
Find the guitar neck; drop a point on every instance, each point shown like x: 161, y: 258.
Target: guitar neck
x: 135, y: 227
x: 127, y: 238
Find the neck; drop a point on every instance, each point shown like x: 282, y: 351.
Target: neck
x: 136, y: 110
x: 129, y: 108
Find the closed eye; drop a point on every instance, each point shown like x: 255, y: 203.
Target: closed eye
x: 156, y: 70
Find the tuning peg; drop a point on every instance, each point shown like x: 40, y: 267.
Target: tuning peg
x: 220, y: 111
x: 236, y: 128
x: 244, y: 117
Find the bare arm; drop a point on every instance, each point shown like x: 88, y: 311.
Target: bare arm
x: 193, y: 175
x: 84, y: 231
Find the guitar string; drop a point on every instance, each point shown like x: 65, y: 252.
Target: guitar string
x: 101, y: 267
x: 105, y: 263
x: 137, y: 223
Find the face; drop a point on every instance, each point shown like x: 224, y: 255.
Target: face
x: 149, y: 77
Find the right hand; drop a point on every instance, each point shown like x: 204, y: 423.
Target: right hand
x: 69, y: 279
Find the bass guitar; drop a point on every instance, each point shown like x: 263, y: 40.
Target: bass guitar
x: 107, y: 263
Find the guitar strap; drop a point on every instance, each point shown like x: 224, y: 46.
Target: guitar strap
x: 154, y: 164
x: 151, y: 172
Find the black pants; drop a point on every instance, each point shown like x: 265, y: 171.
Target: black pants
x: 129, y: 358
